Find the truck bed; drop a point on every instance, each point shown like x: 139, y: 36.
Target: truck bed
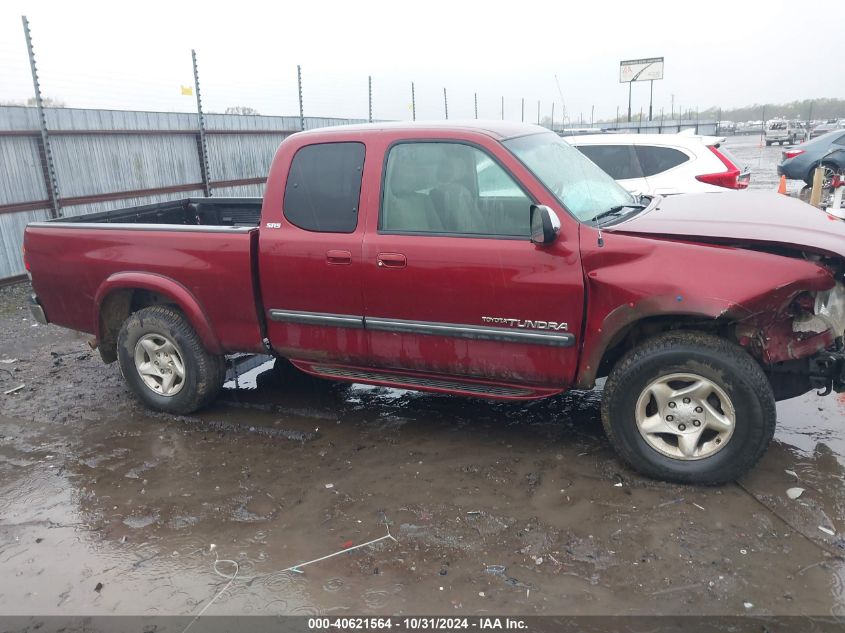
x: 187, y: 212
x: 200, y: 248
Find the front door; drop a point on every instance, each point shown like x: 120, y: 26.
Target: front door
x: 310, y: 255
x: 452, y: 284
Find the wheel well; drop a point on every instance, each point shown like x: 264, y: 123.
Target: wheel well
x: 635, y: 333
x: 116, y: 308
x: 821, y: 163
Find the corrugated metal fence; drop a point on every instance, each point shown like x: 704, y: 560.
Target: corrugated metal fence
x: 107, y: 159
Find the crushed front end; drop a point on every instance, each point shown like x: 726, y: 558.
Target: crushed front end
x: 802, y: 344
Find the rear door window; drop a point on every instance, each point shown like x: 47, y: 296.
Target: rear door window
x: 656, y: 160
x: 840, y: 140
x: 324, y: 186
x: 618, y: 161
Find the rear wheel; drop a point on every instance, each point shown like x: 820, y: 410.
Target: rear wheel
x: 164, y: 362
x: 689, y: 407
x: 829, y: 171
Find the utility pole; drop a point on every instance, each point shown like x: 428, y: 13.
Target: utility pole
x: 445, y: 104
x: 673, y: 106
x: 206, y: 171
x: 522, y: 116
x: 370, y: 93
x: 301, y: 108
x: 650, y: 98
x: 413, y: 103
x: 475, y: 97
x: 809, y: 122
x: 592, y: 114
x: 50, y: 179
x: 629, y: 100
x: 538, y: 112
x: 552, y: 127
x: 503, y: 108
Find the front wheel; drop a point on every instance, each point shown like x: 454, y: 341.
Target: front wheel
x: 164, y: 362
x: 689, y: 407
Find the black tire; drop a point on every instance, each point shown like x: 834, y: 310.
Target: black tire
x: 830, y: 169
x: 719, y: 361
x: 768, y: 143
x: 203, y: 372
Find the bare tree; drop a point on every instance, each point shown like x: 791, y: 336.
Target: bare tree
x: 241, y: 110
x: 48, y: 102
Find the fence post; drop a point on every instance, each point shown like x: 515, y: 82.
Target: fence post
x: 203, y: 145
x: 299, y: 88
x: 370, y: 92
x: 413, y: 103
x: 48, y: 167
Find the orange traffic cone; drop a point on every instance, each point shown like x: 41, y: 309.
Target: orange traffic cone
x: 782, y: 185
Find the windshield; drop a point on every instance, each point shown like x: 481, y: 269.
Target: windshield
x: 580, y: 186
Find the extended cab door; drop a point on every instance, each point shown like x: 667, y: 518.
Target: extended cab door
x: 310, y: 252
x: 452, y: 284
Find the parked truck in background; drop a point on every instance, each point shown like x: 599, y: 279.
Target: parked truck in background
x: 485, y: 260
x: 783, y: 132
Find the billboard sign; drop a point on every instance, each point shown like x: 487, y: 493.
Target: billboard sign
x: 640, y: 70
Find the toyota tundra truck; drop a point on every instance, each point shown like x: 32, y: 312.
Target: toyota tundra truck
x: 489, y: 260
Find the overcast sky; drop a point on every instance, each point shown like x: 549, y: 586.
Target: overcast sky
x: 136, y: 55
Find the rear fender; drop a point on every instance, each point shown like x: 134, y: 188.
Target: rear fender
x: 164, y: 286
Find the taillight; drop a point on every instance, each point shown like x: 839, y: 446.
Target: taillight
x: 25, y: 260
x: 729, y: 179
x: 792, y: 153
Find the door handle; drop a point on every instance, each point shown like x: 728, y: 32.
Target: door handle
x: 391, y: 260
x: 338, y: 257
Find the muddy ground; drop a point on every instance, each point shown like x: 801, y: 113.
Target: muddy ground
x: 106, y: 508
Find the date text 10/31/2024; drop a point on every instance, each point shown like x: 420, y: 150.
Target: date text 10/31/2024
x: 417, y: 623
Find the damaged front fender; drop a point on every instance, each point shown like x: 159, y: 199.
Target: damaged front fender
x: 634, y: 278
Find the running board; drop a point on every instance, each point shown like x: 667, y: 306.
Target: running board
x: 426, y: 383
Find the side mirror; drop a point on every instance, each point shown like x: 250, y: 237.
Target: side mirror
x: 545, y: 225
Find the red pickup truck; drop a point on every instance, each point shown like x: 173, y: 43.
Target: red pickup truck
x: 485, y: 260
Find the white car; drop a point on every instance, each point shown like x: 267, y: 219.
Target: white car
x: 664, y: 164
